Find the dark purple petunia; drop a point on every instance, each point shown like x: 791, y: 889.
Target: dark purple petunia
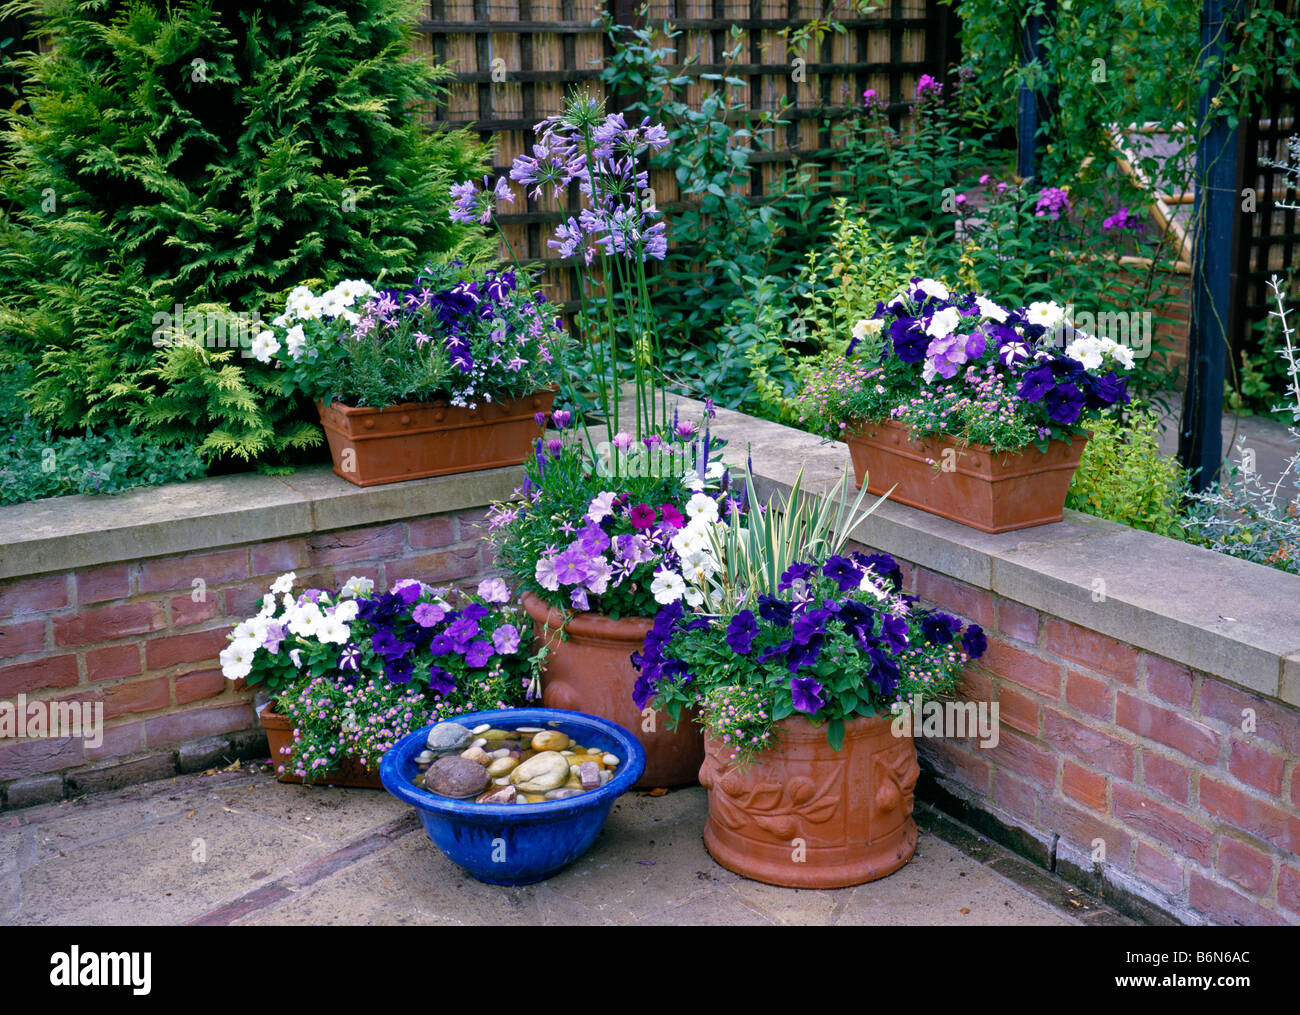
x: 741, y: 632
x: 775, y: 611
x: 858, y: 619
x: 441, y: 645
x: 843, y: 572
x: 1106, y: 390
x: 773, y: 652
x: 475, y: 611
x: 940, y: 628
x: 642, y: 692
x: 1036, y: 383
x: 807, y: 694
x: 388, y: 646
x: 398, y: 671
x: 883, y: 566
x: 809, y: 626
x: 894, y: 631
x: 795, y: 573
x: 909, y: 339
x: 1064, y: 403
x: 804, y: 655
x: 974, y: 642
x: 884, y: 671
x: 460, y: 631
x: 440, y: 681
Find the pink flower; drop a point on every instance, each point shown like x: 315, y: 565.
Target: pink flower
x: 642, y: 516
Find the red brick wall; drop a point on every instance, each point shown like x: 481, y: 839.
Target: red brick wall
x: 1102, y: 741
x: 143, y: 637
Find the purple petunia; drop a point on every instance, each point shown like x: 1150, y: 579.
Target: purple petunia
x: 428, y: 614
x: 478, y: 653
x: 807, y: 694
x: 505, y: 639
x: 460, y: 631
x: 974, y: 642
x: 843, y: 572
x: 741, y: 632
x: 440, y: 681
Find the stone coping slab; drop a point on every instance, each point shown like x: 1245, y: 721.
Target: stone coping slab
x: 67, y: 533
x: 1231, y: 618
x: 1235, y: 619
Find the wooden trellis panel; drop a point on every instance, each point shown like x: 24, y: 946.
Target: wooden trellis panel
x: 544, y: 49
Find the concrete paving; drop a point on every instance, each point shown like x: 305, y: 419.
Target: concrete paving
x: 236, y: 847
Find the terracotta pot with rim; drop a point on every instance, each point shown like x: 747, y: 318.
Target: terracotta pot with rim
x: 279, y: 736
x: 591, y: 671
x: 420, y: 439
x: 807, y: 816
x: 993, y: 491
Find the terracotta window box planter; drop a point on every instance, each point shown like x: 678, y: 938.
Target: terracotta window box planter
x: 806, y: 816
x: 279, y: 735
x: 420, y: 439
x: 988, y: 490
x: 591, y: 671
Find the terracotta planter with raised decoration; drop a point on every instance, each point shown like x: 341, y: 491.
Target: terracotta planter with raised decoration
x: 591, y: 671
x: 993, y: 491
x: 807, y: 816
x: 279, y: 735
x: 419, y: 439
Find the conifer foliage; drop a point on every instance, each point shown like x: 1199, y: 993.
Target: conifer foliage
x: 210, y: 154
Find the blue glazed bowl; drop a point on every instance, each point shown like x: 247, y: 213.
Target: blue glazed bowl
x: 517, y: 844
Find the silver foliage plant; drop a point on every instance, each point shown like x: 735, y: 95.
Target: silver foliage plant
x: 1243, y: 514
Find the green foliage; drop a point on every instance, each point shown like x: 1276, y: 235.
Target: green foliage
x: 209, y: 154
x: 34, y: 463
x: 1124, y: 477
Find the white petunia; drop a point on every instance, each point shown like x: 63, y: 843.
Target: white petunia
x: 237, y: 658
x: 867, y: 326
x: 668, y: 586
x: 333, y: 631
x: 294, y: 340
x: 268, y: 606
x: 357, y: 586
x: 944, y: 323
x: 1087, y: 351
x: 284, y: 583
x: 265, y: 346
x: 702, y: 508
x: 306, y: 620
x: 991, y: 310
x: 689, y: 541
x: 1048, y: 314
x: 933, y: 287
x: 346, y: 611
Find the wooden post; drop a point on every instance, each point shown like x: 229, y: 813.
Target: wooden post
x: 1214, y: 221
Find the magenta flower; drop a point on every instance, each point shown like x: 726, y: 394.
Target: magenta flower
x: 560, y: 418
x: 642, y: 516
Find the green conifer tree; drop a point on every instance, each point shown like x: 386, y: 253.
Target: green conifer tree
x: 211, y: 154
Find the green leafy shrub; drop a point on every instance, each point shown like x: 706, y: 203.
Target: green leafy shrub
x: 210, y: 155
x: 1124, y: 477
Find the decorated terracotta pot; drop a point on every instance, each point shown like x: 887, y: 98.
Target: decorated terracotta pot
x: 806, y: 816
x: 591, y: 671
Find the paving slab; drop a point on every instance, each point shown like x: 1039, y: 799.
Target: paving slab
x: 239, y: 848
